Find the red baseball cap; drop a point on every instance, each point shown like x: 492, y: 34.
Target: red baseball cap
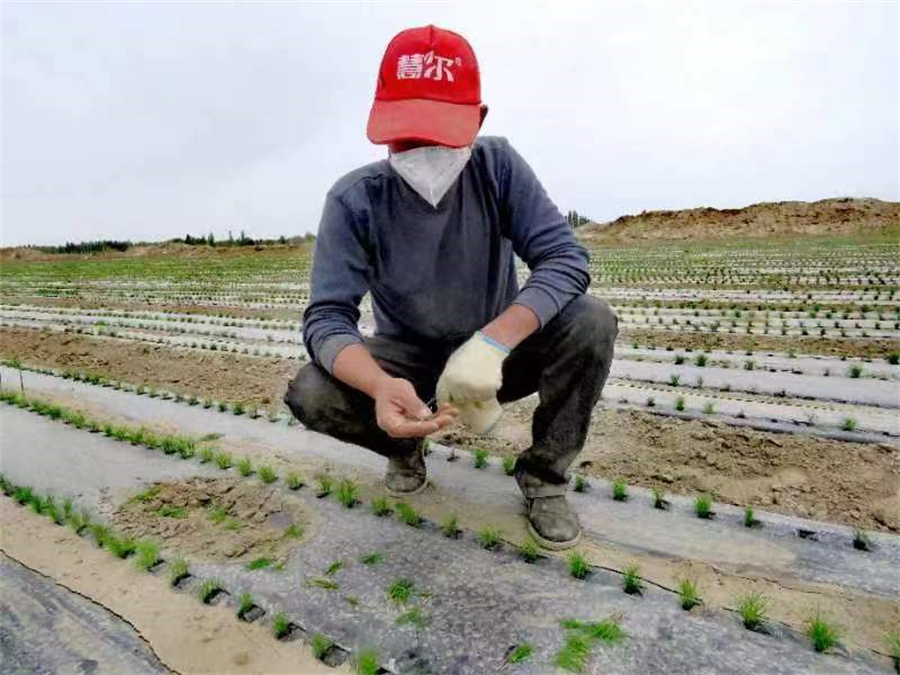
x: 429, y: 89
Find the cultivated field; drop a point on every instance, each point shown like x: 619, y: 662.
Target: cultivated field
x: 748, y: 444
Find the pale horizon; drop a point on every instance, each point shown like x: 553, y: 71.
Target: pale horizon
x: 146, y: 122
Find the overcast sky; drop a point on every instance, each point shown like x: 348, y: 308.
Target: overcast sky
x: 151, y: 120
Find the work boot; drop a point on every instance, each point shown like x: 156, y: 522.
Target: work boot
x: 406, y: 473
x: 553, y: 522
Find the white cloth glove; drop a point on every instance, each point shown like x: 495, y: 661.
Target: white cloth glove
x: 471, y: 379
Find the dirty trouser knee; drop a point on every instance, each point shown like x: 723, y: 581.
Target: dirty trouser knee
x: 323, y: 403
x: 567, y: 363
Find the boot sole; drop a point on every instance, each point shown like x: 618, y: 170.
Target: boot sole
x: 550, y: 544
x: 399, y: 493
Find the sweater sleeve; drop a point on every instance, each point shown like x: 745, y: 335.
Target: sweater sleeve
x: 542, y: 238
x: 339, y: 281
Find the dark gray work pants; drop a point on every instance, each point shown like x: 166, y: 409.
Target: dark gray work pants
x: 566, y: 363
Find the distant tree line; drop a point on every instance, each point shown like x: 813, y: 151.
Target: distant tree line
x: 242, y: 240
x: 575, y: 219
x: 87, y: 246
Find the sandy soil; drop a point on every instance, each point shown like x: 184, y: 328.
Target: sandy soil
x: 825, y: 217
x: 850, y: 483
x: 187, y: 636
x: 230, y: 377
x: 215, y: 518
x: 869, y: 348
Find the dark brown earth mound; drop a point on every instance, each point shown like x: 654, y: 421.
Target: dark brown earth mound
x: 842, y: 216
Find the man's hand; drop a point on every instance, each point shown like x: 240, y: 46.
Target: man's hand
x: 402, y: 414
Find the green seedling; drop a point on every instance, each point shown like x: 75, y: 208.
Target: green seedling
x: 238, y: 408
x: 259, y: 564
x: 325, y: 584
x: 267, y: 474
x: 679, y: 403
x: 703, y: 507
x: 217, y: 514
x: 294, y: 481
x: 372, y: 558
x: 23, y: 495
x: 407, y: 514
x: 381, y: 507
x: 578, y: 565
x: 280, y: 625
x: 367, y: 662
x: 674, y: 380
x: 574, y: 654
x: 295, y: 531
x: 823, y: 633
x: 690, y: 596
x: 581, y: 483
x: 244, y: 466
x: 121, y: 547
x: 347, y: 493
x: 490, y: 538
x: 414, y: 618
x: 651, y: 402
x: 754, y: 610
x: 80, y: 521
x: 480, y: 458
x: 148, y: 495
x: 750, y: 517
x: 861, y: 541
x: 147, y: 555
x: 351, y: 600
x: 326, y: 485
x: 702, y: 360
x: 521, y: 653
x: 709, y: 408
x: 222, y: 406
x: 620, y: 490
x: 224, y: 460
x: 530, y: 551
x: 450, y: 527
x: 849, y: 424
x: 509, y: 465
x: 631, y: 580
x: 854, y: 371
x: 893, y: 358
x: 892, y: 642
x: 334, y: 568
x: 208, y: 590
x: 169, y: 511
x: 321, y: 645
x: 245, y: 604
x: 207, y: 455
x: 193, y: 400
x: 659, y: 499
x: 401, y: 590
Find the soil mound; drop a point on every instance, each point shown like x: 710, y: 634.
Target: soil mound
x: 842, y: 216
x: 215, y: 518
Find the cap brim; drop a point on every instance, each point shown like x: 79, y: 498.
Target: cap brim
x: 451, y: 124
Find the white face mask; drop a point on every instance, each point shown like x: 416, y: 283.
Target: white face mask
x: 431, y: 170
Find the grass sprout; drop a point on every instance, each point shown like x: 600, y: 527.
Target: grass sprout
x: 259, y: 564
x: 326, y: 484
x: 530, y: 551
x: 294, y: 531
x: 178, y: 570
x: 294, y: 481
x: 320, y: 645
x: 267, y: 474
x: 480, y: 457
x: 823, y: 633
x: 861, y: 541
x: 631, y: 580
x: 372, y: 558
x: 348, y: 493
x: 750, y: 517
x: 578, y: 565
x: 412, y: 617
x: 208, y: 590
x: 280, y: 625
x: 381, y: 507
x: 690, y: 596
x: 224, y: 460
x: 703, y: 506
x: 407, y: 514
x: 659, y: 500
x: 245, y: 466
x: 490, y: 537
x: 450, y: 526
x: 754, y: 610
x: 581, y: 483
x: 245, y: 604
x: 620, y: 490
x: 509, y: 465
x: 401, y: 590
x: 367, y: 662
x: 147, y: 555
x: 521, y: 653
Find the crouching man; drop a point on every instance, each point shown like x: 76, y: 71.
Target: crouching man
x: 431, y: 232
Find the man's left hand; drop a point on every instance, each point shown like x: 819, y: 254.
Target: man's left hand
x: 473, y: 375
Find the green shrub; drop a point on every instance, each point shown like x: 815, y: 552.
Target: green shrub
x: 490, y: 537
x: 407, y: 514
x: 823, y: 633
x: 267, y: 474
x: 178, y: 570
x: 620, y: 490
x: 381, y: 507
x: 347, y: 493
x: 147, y: 555
x: 481, y: 458
x: 244, y: 466
x: 753, y: 609
x: 509, y: 465
x: 578, y: 565
x: 690, y: 596
x: 208, y: 590
x: 631, y: 580
x: 294, y: 481
x: 703, y: 506
x: 280, y: 625
x: 450, y: 526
